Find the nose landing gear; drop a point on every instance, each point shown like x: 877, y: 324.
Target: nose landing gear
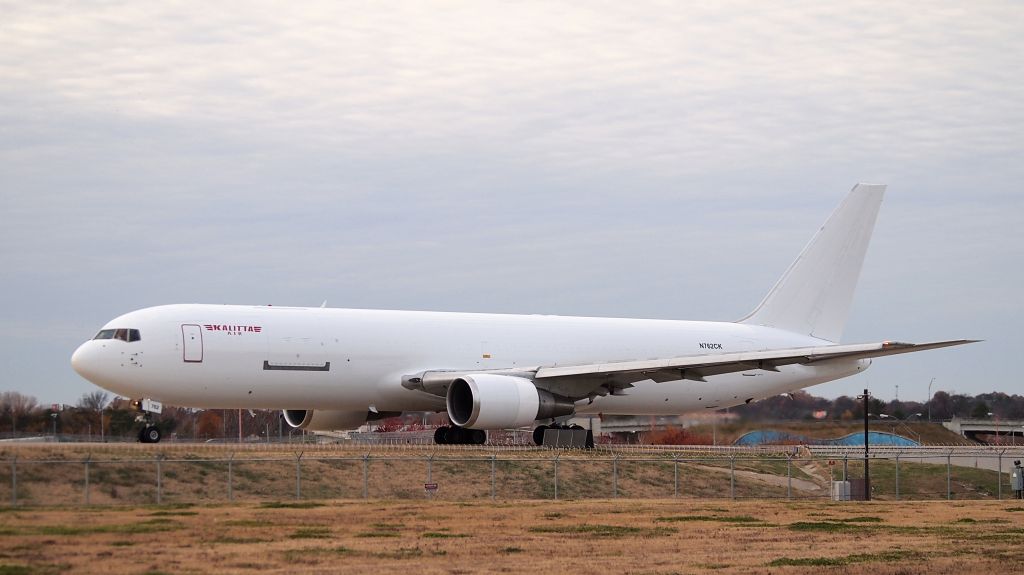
x: 146, y: 408
x: 149, y: 434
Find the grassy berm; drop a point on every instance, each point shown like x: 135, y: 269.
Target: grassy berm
x: 585, y: 536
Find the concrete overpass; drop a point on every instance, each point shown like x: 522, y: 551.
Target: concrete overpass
x: 998, y: 431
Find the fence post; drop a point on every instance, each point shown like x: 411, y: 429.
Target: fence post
x: 789, y: 477
x: 949, y: 475
x: 897, y: 476
x: 231, y: 460
x: 366, y: 476
x: 732, y: 476
x: 494, y: 464
x: 14, y: 481
x: 615, y: 476
x: 675, y: 472
x: 298, y: 476
x: 846, y: 461
x: 999, y: 477
x: 556, y: 476
x: 159, y: 482
x: 86, y: 492
x: 430, y: 468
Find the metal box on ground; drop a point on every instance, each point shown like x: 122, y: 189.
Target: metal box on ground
x: 840, y: 491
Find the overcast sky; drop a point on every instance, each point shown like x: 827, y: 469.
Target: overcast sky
x: 659, y: 160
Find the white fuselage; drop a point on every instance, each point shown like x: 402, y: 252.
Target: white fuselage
x: 225, y: 356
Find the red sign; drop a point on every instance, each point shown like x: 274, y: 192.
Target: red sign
x: 430, y: 487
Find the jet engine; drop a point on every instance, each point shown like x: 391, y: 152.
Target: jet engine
x: 330, y: 420
x: 490, y: 401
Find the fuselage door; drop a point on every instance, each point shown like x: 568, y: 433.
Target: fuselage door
x: 192, y: 342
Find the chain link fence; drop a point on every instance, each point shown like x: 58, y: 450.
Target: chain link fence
x: 190, y: 475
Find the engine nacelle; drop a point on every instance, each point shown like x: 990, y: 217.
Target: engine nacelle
x: 325, y: 420
x: 489, y: 401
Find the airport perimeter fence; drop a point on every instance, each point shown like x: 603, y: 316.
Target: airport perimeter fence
x: 183, y: 477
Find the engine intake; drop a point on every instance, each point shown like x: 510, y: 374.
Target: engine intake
x: 489, y: 401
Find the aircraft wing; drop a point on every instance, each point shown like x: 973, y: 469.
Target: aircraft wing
x: 578, y: 381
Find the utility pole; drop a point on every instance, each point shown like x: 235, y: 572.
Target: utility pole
x: 867, y: 474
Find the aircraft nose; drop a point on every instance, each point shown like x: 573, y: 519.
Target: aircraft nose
x: 84, y: 361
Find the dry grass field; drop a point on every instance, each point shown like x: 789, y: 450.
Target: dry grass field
x: 582, y: 536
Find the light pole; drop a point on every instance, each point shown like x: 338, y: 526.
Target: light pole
x: 896, y: 421
x: 714, y: 428
x: 884, y: 416
x: 930, y: 399
x: 994, y: 416
x: 867, y: 475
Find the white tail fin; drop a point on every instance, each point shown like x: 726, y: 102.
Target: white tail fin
x: 814, y: 296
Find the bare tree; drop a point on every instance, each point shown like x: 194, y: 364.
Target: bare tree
x: 94, y: 401
x: 17, y: 405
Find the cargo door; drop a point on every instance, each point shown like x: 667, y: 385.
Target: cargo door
x: 192, y: 342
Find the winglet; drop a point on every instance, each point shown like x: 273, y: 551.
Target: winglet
x: 815, y: 294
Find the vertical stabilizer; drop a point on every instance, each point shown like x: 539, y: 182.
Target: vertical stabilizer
x: 814, y: 296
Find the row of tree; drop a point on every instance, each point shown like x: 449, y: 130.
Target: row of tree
x: 942, y: 406
x: 99, y: 416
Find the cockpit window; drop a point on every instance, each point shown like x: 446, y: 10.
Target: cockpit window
x: 122, y: 334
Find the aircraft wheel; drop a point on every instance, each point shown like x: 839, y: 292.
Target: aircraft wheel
x: 441, y: 435
x: 149, y: 434
x: 478, y: 437
x: 538, y: 435
x: 458, y: 435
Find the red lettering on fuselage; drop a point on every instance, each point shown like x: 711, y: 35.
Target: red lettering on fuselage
x: 233, y: 329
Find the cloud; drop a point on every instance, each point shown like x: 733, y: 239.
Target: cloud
x: 653, y: 159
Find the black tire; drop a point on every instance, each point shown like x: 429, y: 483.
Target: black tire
x: 152, y: 434
x: 457, y: 435
x: 479, y: 437
x: 142, y: 435
x: 441, y: 436
x: 538, y: 435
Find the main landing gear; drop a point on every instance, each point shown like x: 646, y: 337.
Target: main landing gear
x: 459, y: 436
x: 577, y: 436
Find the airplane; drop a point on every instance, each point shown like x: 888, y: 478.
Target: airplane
x: 337, y: 369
